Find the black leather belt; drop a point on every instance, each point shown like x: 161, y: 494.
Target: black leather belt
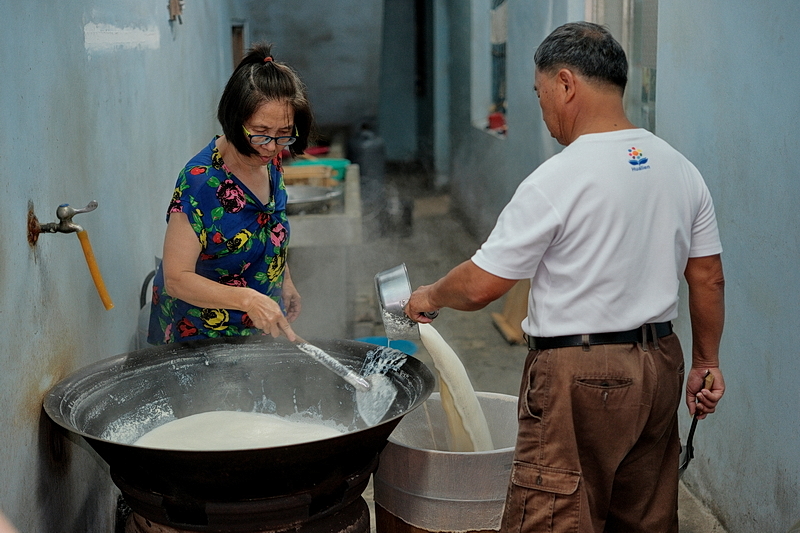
x: 652, y: 331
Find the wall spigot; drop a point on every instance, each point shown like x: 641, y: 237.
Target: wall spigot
x: 64, y: 213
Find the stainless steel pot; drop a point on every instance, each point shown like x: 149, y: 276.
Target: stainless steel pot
x: 312, y: 199
x: 113, y: 402
x: 394, y: 290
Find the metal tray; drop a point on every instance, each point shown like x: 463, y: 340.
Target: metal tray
x: 312, y: 199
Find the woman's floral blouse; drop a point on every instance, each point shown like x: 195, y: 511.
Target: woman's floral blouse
x: 243, y: 244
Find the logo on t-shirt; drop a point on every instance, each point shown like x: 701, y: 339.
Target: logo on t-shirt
x: 637, y: 159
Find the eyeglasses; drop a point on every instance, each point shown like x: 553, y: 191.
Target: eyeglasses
x: 266, y: 139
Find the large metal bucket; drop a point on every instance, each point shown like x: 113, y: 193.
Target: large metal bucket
x: 421, y: 487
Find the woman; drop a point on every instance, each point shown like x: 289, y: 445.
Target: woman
x: 224, y: 268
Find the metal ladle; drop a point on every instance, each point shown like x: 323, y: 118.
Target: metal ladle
x: 375, y: 393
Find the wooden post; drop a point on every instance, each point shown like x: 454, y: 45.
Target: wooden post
x: 515, y: 309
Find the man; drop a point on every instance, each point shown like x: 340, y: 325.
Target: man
x: 603, y: 230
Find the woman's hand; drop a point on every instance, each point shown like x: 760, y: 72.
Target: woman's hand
x: 266, y: 314
x: 291, y: 298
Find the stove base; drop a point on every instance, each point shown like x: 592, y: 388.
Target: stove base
x: 353, y: 518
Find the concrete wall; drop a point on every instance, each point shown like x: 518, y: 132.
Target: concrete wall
x: 485, y: 169
x: 101, y: 100
x: 398, y: 110
x: 335, y: 47
x: 728, y: 98
x: 105, y: 101
x: 358, y: 59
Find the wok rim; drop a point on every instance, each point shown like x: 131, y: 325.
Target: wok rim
x: 58, y: 394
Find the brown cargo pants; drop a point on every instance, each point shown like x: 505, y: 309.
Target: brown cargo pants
x: 597, y: 448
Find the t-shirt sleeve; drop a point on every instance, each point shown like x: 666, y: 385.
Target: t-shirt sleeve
x: 521, y: 236
x: 705, y: 233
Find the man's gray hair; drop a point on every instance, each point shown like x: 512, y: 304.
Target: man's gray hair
x: 586, y: 47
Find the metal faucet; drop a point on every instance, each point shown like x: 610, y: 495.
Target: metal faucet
x: 65, y: 224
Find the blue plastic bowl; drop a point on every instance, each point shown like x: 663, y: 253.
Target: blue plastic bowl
x: 407, y: 347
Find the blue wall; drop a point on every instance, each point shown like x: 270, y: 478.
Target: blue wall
x: 335, y: 47
x: 728, y: 88
x: 106, y: 100
x: 398, y: 105
x: 485, y: 169
x: 82, y: 121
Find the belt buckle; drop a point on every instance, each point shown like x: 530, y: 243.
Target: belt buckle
x: 530, y: 341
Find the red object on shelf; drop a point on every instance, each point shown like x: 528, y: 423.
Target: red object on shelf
x: 318, y: 150
x: 497, y: 121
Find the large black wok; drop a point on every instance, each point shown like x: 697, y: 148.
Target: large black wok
x: 113, y: 402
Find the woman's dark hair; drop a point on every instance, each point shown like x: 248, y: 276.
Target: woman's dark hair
x: 586, y: 47
x: 259, y: 79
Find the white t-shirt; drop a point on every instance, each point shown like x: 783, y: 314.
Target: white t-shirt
x: 603, y: 230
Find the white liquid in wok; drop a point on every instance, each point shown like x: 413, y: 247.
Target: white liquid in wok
x: 468, y: 430
x: 232, y: 430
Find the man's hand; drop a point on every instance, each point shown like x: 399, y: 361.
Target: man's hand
x: 700, y: 401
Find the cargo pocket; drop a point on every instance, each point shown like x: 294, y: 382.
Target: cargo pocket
x: 532, y: 394
x: 542, y: 499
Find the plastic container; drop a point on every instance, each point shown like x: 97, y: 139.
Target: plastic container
x: 339, y: 166
x: 405, y: 346
x: 419, y: 487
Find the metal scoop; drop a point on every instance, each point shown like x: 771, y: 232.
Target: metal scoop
x: 394, y: 290
x: 374, y: 393
x: 687, y: 452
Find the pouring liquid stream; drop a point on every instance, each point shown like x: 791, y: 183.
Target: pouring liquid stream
x: 468, y: 430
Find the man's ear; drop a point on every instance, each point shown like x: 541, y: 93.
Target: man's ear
x: 566, y: 82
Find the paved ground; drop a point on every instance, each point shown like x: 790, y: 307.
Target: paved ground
x: 434, y: 243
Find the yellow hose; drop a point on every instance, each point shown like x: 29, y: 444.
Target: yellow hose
x: 94, y: 270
